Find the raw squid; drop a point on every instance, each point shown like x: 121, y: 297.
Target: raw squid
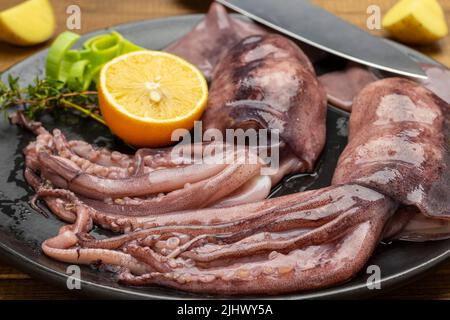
x: 214, y: 35
x: 342, y: 86
x: 399, y: 145
x: 438, y: 80
x: 211, y: 38
x: 267, y: 82
x: 179, y: 186
x: 383, y: 137
x: 207, y: 227
x: 398, y: 155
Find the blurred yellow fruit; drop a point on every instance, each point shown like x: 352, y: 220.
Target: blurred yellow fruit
x: 28, y: 23
x: 416, y: 21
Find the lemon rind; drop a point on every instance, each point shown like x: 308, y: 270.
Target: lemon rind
x: 110, y: 99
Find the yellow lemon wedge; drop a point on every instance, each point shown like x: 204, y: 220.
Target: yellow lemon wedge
x: 28, y: 23
x: 416, y: 21
x: 145, y: 95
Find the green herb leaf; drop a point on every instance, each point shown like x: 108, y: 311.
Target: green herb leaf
x: 45, y: 95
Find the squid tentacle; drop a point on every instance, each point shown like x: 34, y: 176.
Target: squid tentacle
x: 298, y: 270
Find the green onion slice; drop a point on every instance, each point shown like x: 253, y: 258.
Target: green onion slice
x: 80, y: 67
x: 57, y: 54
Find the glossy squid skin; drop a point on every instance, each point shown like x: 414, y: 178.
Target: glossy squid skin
x: 209, y: 43
x: 342, y: 86
x: 438, y: 80
x: 211, y: 38
x: 399, y: 145
x: 267, y: 82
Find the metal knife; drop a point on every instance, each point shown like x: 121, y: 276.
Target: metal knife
x: 317, y: 27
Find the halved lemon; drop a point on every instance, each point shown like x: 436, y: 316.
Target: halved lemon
x: 145, y: 96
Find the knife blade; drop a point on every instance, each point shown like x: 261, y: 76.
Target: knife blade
x: 317, y: 27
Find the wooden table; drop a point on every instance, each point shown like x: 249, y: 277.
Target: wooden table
x: 97, y: 14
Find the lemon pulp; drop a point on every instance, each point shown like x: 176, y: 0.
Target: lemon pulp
x: 153, y: 86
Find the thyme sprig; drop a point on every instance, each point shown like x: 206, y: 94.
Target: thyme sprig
x: 47, y: 95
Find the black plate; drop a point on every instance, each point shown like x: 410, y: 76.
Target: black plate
x: 22, y: 230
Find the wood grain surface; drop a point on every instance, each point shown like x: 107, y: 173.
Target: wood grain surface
x: 99, y: 13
